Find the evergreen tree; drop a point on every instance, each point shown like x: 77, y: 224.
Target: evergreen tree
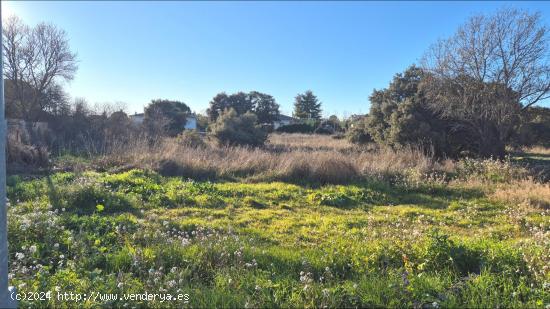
x: 307, y: 106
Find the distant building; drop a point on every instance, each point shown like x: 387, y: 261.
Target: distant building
x: 137, y: 118
x: 284, y: 120
x: 190, y: 124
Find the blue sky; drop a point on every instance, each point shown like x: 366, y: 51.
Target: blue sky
x: 133, y: 52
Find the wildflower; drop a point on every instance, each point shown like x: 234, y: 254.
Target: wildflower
x: 120, y: 285
x: 32, y: 249
x: 56, y: 245
x: 258, y: 288
x: 326, y: 292
x: 435, y: 304
x: 19, y: 256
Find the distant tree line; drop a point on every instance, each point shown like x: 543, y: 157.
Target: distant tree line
x: 474, y: 93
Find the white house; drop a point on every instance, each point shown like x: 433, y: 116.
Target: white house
x: 284, y: 120
x: 190, y: 124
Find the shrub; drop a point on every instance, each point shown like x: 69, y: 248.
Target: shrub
x: 358, y: 134
x: 489, y: 170
x: 324, y: 129
x: 296, y: 128
x: 190, y: 138
x: 26, y: 155
x: 232, y: 129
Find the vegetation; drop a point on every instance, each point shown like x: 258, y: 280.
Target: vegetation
x: 166, y: 117
x: 439, y: 197
x: 234, y: 129
x: 357, y: 132
x: 36, y: 60
x: 307, y: 106
x: 261, y: 104
x: 408, y: 238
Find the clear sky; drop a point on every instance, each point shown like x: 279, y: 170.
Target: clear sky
x: 133, y: 52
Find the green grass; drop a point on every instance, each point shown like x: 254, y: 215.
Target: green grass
x: 273, y: 244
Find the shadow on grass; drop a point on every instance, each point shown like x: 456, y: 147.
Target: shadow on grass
x: 89, y: 200
x: 53, y: 194
x: 438, y: 197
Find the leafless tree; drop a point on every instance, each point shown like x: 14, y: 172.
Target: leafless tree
x: 488, y: 71
x: 35, y: 60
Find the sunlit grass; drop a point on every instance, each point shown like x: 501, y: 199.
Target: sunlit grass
x: 226, y: 244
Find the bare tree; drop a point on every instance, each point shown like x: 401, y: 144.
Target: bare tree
x: 36, y: 60
x: 487, y: 72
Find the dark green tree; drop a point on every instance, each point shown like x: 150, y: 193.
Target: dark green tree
x: 166, y: 117
x: 265, y: 107
x: 234, y: 129
x: 239, y: 101
x: 307, y: 106
x: 218, y: 105
x: 400, y: 116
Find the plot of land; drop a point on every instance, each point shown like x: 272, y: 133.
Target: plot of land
x: 228, y: 244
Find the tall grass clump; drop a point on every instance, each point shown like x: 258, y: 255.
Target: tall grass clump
x: 290, y: 158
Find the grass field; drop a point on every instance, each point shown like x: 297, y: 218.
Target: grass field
x: 478, y: 237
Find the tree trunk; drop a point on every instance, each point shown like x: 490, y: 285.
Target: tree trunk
x: 491, y: 145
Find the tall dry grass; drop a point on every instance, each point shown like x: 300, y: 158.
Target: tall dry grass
x: 286, y: 157
x: 539, y: 150
x: 525, y: 192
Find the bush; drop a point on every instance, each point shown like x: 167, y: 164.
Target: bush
x: 324, y: 129
x: 26, y: 155
x: 358, y: 134
x: 400, y: 116
x: 296, y: 128
x: 535, y: 129
x: 190, y: 138
x: 232, y: 129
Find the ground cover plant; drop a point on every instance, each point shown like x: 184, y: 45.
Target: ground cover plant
x: 468, y: 233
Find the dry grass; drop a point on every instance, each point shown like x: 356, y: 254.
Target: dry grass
x: 308, y: 142
x: 309, y: 159
x: 525, y: 192
x: 287, y: 157
x: 537, y: 150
